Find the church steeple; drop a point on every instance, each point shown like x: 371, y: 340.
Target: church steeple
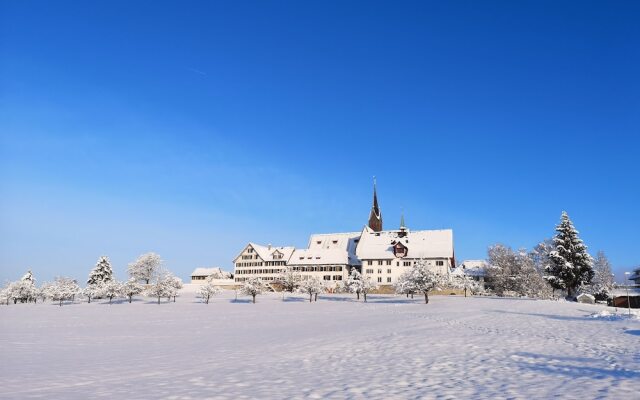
x: 375, y: 216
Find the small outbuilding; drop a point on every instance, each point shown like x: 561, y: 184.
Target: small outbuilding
x: 200, y: 275
x: 586, y: 298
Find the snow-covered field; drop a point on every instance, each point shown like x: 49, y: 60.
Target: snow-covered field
x: 389, y: 348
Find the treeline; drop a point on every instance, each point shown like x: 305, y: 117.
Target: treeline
x: 560, y: 265
x: 146, y: 277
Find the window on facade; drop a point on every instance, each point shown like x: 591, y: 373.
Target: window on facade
x: 440, y: 263
x: 379, y: 279
x: 388, y: 262
x: 389, y: 271
x: 369, y: 262
x: 397, y: 263
x: 334, y: 242
x: 370, y: 271
x: 407, y: 263
x: 319, y: 242
x: 379, y: 262
x: 379, y: 270
x: 326, y: 277
x: 389, y: 280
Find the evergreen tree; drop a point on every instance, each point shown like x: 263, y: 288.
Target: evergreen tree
x: 101, y: 273
x: 570, y: 265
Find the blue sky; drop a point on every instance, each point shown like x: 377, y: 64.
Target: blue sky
x: 191, y: 128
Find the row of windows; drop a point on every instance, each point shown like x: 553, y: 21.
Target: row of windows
x: 258, y: 271
x: 404, y: 263
x: 250, y: 257
x: 249, y: 264
x: 380, y: 279
x: 274, y: 263
x: 370, y: 262
x: 320, y: 268
x: 334, y: 277
x: 262, y: 278
x: 370, y: 271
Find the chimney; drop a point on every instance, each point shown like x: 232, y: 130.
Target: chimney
x: 269, y: 246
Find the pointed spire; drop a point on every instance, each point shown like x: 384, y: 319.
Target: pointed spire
x: 402, y: 225
x: 375, y: 216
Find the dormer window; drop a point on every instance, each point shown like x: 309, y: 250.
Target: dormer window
x: 400, y: 250
x: 319, y: 242
x: 334, y: 242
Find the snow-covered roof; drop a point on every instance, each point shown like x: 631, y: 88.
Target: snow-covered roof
x: 208, y: 271
x: 420, y: 244
x: 329, y: 248
x: 472, y: 268
x: 266, y: 252
x: 320, y: 256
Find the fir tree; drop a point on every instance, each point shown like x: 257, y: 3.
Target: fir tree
x: 570, y: 265
x: 101, y: 273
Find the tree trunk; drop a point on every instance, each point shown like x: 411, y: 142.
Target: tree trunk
x: 365, y: 297
x: 15, y: 301
x: 60, y: 303
x: 147, y: 281
x: 358, y: 295
x: 412, y: 295
x: 206, y: 301
x: 158, y: 299
x: 316, y: 297
x: 130, y: 297
x: 110, y: 297
x: 254, y: 299
x: 310, y: 297
x: 89, y: 300
x: 426, y: 298
x: 465, y: 292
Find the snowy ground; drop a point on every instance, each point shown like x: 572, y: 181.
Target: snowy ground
x: 389, y: 348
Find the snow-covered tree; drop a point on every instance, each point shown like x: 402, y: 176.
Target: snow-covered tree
x: 92, y: 291
x: 405, y: 286
x: 312, y: 287
x: 28, y: 277
x: 22, y: 291
x: 466, y: 283
x: 353, y: 284
x: 602, y: 282
x: 174, y: 284
x: 367, y: 285
x: 289, y: 279
x: 145, y: 266
x: 101, y: 273
x: 111, y: 289
x: 159, y: 287
x: 514, y: 272
x: 5, y: 295
x: 208, y: 290
x: 61, y: 289
x: 540, y: 255
x: 253, y: 287
x: 423, y: 280
x: 132, y: 288
x: 571, y: 265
